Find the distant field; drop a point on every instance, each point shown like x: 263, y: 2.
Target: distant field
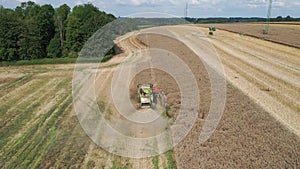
x: 284, y: 33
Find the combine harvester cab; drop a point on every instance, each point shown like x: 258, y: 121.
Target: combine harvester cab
x: 151, y: 97
x: 145, y: 95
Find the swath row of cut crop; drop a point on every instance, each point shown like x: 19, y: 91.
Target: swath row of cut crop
x: 22, y: 113
x: 70, y: 145
x: 13, y: 98
x: 49, y: 97
x: 10, y: 86
x: 15, y: 145
x: 27, y: 147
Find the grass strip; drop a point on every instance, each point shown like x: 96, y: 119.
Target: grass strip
x: 171, y: 161
x: 65, y: 60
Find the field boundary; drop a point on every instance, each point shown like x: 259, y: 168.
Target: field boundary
x: 56, y: 61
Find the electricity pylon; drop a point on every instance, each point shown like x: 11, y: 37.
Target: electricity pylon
x: 267, y: 27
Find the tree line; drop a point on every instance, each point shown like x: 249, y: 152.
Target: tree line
x: 241, y: 19
x: 31, y: 31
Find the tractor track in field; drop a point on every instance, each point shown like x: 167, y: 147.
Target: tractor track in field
x: 267, y: 72
x: 94, y: 153
x: 130, y: 46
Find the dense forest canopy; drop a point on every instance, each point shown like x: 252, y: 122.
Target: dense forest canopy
x: 31, y: 31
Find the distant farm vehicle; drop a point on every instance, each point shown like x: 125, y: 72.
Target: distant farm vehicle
x: 212, y: 29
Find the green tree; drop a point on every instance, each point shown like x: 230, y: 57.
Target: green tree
x: 56, y: 45
x: 37, y: 29
x: 45, y: 22
x: 32, y: 31
x: 54, y: 49
x: 279, y: 18
x: 288, y: 18
x: 82, y: 23
x: 30, y: 42
x: 61, y: 16
x: 10, y: 28
x: 74, y: 39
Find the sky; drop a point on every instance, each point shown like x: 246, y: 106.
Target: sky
x: 196, y: 8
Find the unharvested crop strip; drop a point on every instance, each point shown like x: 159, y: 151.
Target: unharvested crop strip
x: 171, y: 161
x: 45, y: 96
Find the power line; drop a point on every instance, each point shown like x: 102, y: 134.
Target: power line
x: 186, y: 10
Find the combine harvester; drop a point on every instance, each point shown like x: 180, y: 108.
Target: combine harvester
x: 211, y: 29
x: 150, y: 97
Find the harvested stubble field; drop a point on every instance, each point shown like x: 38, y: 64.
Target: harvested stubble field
x: 39, y: 128
x: 250, y: 134
x: 285, y: 33
x: 38, y: 125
